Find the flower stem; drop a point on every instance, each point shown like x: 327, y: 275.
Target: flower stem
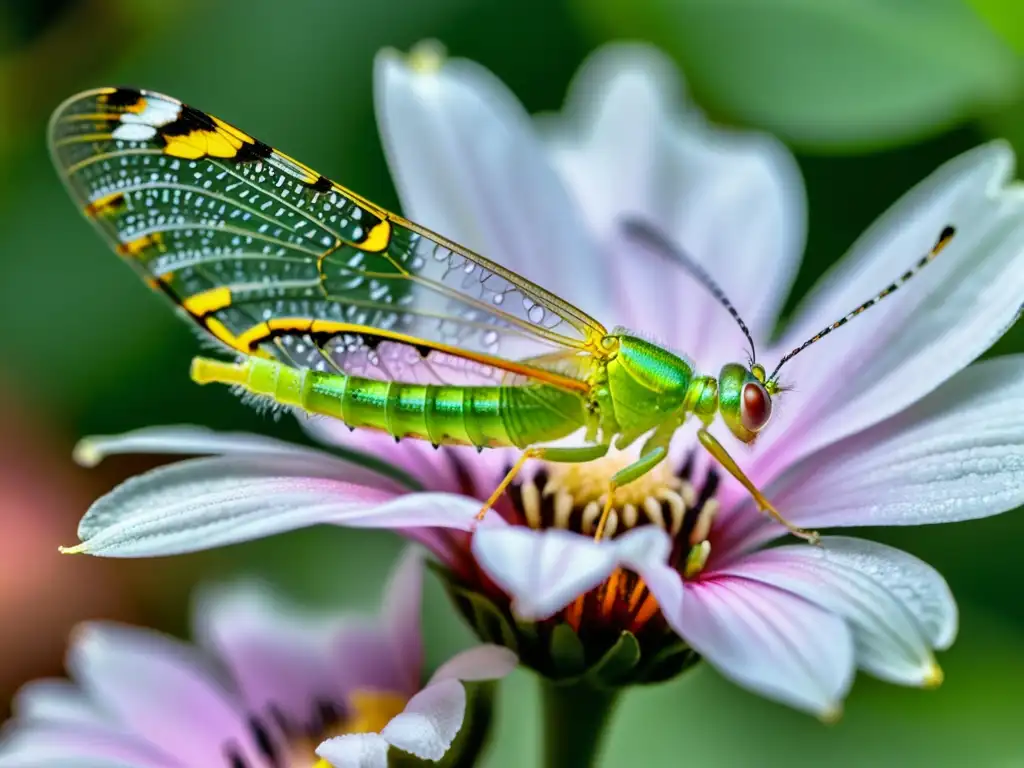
x: 575, y: 721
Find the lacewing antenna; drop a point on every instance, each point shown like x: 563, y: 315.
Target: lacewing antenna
x: 944, y: 237
x: 642, y: 231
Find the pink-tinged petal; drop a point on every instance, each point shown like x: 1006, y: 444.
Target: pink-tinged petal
x: 771, y: 641
x: 403, y: 598
x: 430, y: 721
x: 877, y: 590
x: 41, y: 745
x: 205, y: 503
x: 958, y: 454
x: 416, y: 458
x: 630, y: 146
x: 543, y: 571
x: 385, y: 653
x: 355, y: 750
x: 366, y: 660
x: 482, y: 662
x: 58, y: 701
x: 278, y: 655
x: 164, y: 691
x: 486, y: 181
x: 909, y: 344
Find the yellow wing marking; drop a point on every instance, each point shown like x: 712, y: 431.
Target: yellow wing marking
x: 224, y: 141
x: 133, y: 248
x: 106, y: 205
x: 208, y: 301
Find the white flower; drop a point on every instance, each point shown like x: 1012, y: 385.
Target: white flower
x: 886, y: 426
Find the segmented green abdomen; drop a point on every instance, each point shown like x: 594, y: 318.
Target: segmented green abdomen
x: 484, y: 416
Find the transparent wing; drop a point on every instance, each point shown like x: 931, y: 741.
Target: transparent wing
x: 269, y: 257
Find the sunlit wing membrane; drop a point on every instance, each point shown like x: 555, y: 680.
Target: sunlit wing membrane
x: 271, y: 258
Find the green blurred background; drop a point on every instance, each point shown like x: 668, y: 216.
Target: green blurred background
x: 871, y: 95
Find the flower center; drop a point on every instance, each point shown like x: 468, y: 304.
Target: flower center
x: 572, y: 496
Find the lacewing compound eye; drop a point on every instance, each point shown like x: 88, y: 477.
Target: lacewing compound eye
x: 756, y: 407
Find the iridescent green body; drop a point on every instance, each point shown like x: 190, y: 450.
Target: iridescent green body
x: 640, y: 387
x: 483, y: 416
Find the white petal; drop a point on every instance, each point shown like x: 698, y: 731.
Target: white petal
x: 430, y: 722
x: 878, y: 591
x: 163, y: 691
x: 58, y: 701
x: 543, y: 571
x: 912, y: 342
x: 205, y: 503
x: 771, y: 641
x: 42, y: 745
x: 278, y: 655
x: 630, y: 147
x: 956, y: 455
x: 467, y: 163
x: 355, y: 750
x: 482, y: 662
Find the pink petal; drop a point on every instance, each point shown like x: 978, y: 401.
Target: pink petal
x: 907, y: 345
x: 355, y: 750
x: 482, y: 662
x: 543, y: 571
x: 430, y: 722
x: 386, y: 654
x: 162, y: 690
x: 771, y: 642
x: 879, y: 591
x: 403, y: 599
x: 425, y: 464
x: 278, y: 655
x: 486, y: 182
x: 956, y: 455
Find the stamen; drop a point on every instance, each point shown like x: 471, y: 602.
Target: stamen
x: 611, y: 592
x: 677, y: 511
x: 697, y: 559
x: 574, y: 612
x: 705, y: 517
x: 530, y: 500
x: 638, y: 592
x: 590, y: 514
x: 563, y: 508
x: 648, y: 609
x: 652, y: 507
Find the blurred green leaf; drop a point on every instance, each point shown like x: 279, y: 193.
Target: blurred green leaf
x: 838, y: 75
x: 1006, y: 18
